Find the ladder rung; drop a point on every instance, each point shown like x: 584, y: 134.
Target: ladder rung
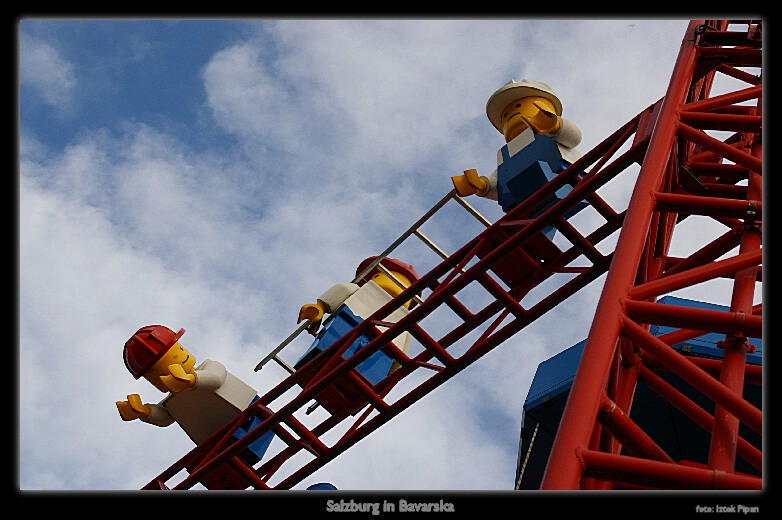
x: 407, y: 233
x: 474, y: 212
x: 284, y: 365
x: 396, y: 280
x: 434, y: 247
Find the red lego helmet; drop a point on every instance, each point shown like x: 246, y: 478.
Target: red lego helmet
x: 406, y: 270
x: 148, y: 345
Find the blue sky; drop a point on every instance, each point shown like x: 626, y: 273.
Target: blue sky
x: 216, y: 175
x: 150, y: 75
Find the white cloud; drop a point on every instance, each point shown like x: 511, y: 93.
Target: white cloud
x: 246, y: 97
x: 42, y: 68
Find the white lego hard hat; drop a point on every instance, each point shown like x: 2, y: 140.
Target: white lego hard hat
x: 514, y: 90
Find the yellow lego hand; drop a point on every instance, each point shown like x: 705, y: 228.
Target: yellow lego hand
x: 133, y: 408
x: 470, y: 183
x: 541, y: 118
x: 314, y: 312
x: 179, y: 379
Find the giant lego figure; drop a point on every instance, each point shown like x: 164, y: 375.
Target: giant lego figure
x: 539, y: 144
x: 201, y: 399
x: 349, y: 304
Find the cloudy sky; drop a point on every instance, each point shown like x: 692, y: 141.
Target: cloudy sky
x: 216, y: 175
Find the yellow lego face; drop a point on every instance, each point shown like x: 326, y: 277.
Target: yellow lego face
x: 516, y: 114
x: 388, y: 285
x: 176, y: 355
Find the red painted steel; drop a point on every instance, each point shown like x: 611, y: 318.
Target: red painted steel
x: 682, y: 173
x: 674, y: 183
x: 483, y: 261
x: 651, y: 474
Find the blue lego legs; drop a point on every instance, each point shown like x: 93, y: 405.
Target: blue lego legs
x: 226, y: 477
x: 256, y: 450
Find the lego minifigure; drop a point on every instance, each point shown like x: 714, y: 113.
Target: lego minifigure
x: 539, y: 144
x: 200, y: 399
x: 351, y: 303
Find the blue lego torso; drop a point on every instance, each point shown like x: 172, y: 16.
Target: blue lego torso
x: 342, y: 321
x: 523, y: 173
x: 358, y: 306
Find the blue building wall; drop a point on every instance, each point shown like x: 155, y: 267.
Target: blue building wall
x: 673, y: 431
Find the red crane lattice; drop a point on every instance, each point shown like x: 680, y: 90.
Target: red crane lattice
x: 686, y: 172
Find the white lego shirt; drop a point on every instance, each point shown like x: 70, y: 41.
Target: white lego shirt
x: 363, y: 301
x: 217, y: 397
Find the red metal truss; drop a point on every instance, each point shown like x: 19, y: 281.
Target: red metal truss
x: 506, y: 261
x: 683, y: 172
x: 686, y: 172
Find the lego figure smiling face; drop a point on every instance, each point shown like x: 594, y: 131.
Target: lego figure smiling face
x: 535, y: 111
x: 164, y: 367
